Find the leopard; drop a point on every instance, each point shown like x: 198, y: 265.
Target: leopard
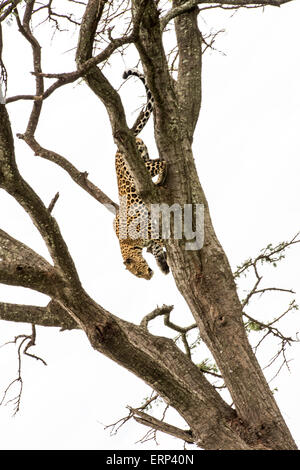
x: 136, y: 214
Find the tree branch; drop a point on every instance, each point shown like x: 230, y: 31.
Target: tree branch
x: 51, y: 315
x: 25, y: 30
x: 147, y: 420
x: 27, y: 341
x: 11, y: 5
x: 152, y: 54
x: 190, y: 4
x: 165, y: 309
x: 16, y: 186
x: 80, y: 178
x: 21, y: 266
x: 240, y: 3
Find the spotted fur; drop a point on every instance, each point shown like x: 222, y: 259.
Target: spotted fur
x: 131, y: 248
x: 150, y: 100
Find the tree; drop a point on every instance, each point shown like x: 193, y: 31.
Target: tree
x: 203, y: 277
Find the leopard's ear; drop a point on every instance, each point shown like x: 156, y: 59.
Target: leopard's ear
x: 128, y: 261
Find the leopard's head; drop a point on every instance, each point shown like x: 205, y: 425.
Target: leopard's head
x: 137, y: 265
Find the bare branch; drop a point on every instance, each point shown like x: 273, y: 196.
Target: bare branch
x: 53, y: 202
x: 238, y: 3
x: 24, y: 28
x: 190, y: 4
x: 27, y: 341
x: 83, y: 68
x: 257, y: 325
x: 12, y: 99
x: 80, y: 178
x: 9, y: 7
x: 155, y: 313
x: 51, y: 316
x: 16, y: 186
x: 21, y: 266
x: 165, y: 310
x: 141, y: 417
x: 118, y: 424
x: 3, y: 72
x: 180, y: 329
x: 269, y: 254
x: 166, y: 428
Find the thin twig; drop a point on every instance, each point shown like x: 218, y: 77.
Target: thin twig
x: 30, y: 339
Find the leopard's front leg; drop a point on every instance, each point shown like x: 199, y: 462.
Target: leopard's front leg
x: 157, y: 167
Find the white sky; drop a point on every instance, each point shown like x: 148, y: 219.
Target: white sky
x: 247, y: 153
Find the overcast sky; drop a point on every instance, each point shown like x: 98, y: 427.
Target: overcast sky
x: 247, y: 152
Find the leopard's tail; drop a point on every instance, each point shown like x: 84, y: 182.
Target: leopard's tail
x: 145, y: 115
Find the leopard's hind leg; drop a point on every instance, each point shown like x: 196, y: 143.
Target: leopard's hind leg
x: 156, y: 248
